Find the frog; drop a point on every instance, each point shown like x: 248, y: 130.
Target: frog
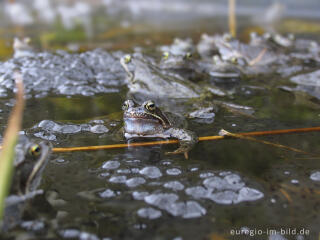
x: 147, y: 79
x: 176, y: 61
x: 148, y: 121
x: 230, y: 53
x: 218, y: 68
x: 181, y: 65
x: 207, y: 47
x: 179, y: 47
x: 185, y: 64
x: 30, y: 161
x: 22, y: 47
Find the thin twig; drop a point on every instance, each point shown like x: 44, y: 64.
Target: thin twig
x: 206, y: 138
x: 258, y: 58
x: 285, y: 194
x: 299, y: 189
x: 226, y: 133
x: 232, y: 18
x: 113, y: 146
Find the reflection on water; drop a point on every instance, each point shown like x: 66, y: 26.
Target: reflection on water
x: 80, y: 25
x: 74, y: 99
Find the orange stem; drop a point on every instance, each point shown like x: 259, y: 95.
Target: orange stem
x: 206, y: 138
x: 232, y: 18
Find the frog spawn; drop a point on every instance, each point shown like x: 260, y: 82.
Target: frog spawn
x: 168, y: 191
x: 315, y: 176
x: 202, y: 193
x: 308, y: 82
x: 97, y: 71
x: 62, y: 73
x: 53, y: 131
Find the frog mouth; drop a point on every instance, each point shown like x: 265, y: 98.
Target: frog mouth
x: 142, y: 116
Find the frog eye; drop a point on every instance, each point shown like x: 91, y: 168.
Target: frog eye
x: 27, y: 40
x: 215, y: 59
x: 188, y: 55
x: 165, y: 55
x: 291, y: 37
x: 227, y: 37
x: 267, y: 35
x: 234, y: 60
x: 150, y: 105
x: 127, y: 58
x: 125, y: 105
x: 35, y: 150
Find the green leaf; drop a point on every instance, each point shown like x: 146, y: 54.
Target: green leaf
x: 9, y: 142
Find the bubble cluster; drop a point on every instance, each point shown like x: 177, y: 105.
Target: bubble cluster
x: 315, y: 176
x: 227, y: 188
x: 50, y: 130
x: 171, y: 192
x: 63, y: 73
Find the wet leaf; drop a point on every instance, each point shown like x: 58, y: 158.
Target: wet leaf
x: 10, y: 139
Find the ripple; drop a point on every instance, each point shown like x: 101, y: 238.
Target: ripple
x: 108, y: 193
x: 104, y: 174
x: 124, y: 171
x: 134, y: 182
x: 99, y: 129
x: 224, y: 197
x: 149, y: 213
x: 276, y: 236
x: 249, y: 194
x: 308, y: 82
x: 118, y: 179
x: 87, y: 236
x: 60, y: 161
x: 161, y: 200
x: 174, y: 185
x: 69, y: 129
x: 166, y: 163
x: 33, y: 225
x: 194, y: 169
x: 315, y: 176
x: 69, y: 233
x: 206, y: 175
x: 205, y: 115
x: 134, y: 170
x: 232, y: 182
x: 139, y: 195
x: 110, y: 165
x: 197, y: 192
x: 173, y: 171
x: 190, y: 209
x: 151, y: 172
x: 75, y: 233
x: 46, y: 136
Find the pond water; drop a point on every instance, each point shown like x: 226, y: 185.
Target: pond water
x: 74, y: 98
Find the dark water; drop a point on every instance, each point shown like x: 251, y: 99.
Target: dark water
x: 140, y: 193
